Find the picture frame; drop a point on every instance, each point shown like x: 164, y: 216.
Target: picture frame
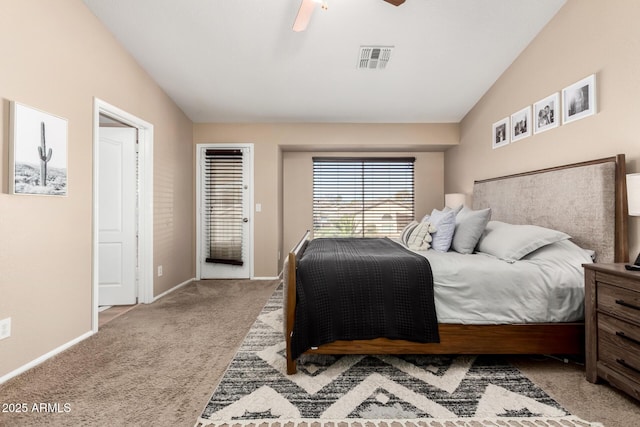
x: 579, y: 100
x: 37, y: 152
x: 500, y: 133
x: 546, y: 113
x: 521, y: 124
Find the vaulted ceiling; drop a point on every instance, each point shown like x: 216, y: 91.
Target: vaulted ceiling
x: 240, y: 60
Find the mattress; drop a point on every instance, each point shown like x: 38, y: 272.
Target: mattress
x: 544, y: 286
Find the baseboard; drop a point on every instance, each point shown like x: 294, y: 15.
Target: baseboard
x: 186, y: 282
x: 175, y: 288
x: 44, y: 357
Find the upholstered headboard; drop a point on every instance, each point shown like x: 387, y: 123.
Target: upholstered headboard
x: 585, y: 200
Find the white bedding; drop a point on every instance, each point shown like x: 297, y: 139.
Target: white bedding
x: 544, y: 286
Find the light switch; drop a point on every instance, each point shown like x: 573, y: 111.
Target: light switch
x: 258, y: 207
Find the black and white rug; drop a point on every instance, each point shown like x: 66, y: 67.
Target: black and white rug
x: 372, y: 390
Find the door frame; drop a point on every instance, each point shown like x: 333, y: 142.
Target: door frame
x: 145, y: 202
x: 199, y: 160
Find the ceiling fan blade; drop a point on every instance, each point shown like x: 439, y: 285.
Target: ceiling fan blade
x: 395, y: 2
x: 304, y: 15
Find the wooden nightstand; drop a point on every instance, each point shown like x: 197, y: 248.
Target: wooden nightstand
x: 612, y: 323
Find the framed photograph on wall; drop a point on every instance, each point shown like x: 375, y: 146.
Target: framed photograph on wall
x: 579, y: 100
x: 501, y: 133
x: 38, y: 152
x: 521, y: 124
x: 546, y: 113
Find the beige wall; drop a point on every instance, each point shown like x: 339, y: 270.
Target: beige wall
x: 57, y: 57
x: 272, y: 141
x: 585, y: 37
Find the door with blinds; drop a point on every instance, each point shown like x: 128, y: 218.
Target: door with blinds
x: 224, y: 200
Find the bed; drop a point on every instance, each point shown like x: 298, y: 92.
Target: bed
x: 585, y: 200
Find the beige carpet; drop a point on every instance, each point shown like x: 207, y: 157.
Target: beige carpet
x: 157, y: 365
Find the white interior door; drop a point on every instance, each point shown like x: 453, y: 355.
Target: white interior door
x: 117, y: 218
x: 224, y: 198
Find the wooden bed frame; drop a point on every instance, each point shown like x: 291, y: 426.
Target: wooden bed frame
x: 539, y: 338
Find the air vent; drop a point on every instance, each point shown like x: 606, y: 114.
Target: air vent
x: 374, y: 57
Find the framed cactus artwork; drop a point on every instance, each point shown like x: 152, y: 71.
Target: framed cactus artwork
x: 38, y: 152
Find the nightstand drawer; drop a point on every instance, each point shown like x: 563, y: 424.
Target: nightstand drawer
x: 620, y: 361
x: 622, y: 302
x: 619, y: 345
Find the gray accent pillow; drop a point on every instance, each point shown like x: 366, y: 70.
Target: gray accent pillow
x: 512, y: 242
x: 445, y: 224
x: 470, y: 225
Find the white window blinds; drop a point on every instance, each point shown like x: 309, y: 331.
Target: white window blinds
x: 362, y: 197
x: 223, y: 205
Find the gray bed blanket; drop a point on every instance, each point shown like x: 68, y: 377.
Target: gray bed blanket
x: 352, y: 288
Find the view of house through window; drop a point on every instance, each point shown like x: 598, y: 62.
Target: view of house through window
x: 362, y: 197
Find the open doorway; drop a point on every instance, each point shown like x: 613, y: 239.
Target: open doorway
x: 122, y: 209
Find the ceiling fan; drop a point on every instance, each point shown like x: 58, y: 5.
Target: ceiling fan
x: 307, y: 7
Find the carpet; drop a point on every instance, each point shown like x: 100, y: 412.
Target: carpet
x: 367, y: 391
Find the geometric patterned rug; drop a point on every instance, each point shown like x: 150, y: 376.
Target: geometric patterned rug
x: 368, y: 391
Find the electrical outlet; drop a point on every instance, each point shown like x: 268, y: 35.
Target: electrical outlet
x: 159, y: 270
x: 5, y: 328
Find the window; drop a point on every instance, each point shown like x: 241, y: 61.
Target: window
x: 362, y: 197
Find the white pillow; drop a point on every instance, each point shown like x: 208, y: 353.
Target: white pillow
x: 420, y: 237
x: 457, y: 209
x: 470, y: 225
x: 445, y: 223
x: 512, y: 242
x: 444, y: 210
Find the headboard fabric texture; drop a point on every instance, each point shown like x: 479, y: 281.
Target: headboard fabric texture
x: 579, y: 200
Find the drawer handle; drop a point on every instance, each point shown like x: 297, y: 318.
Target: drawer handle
x: 626, y: 365
x: 623, y: 335
x: 627, y: 304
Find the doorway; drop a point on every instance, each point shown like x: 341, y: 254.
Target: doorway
x: 224, y: 188
x: 122, y: 209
